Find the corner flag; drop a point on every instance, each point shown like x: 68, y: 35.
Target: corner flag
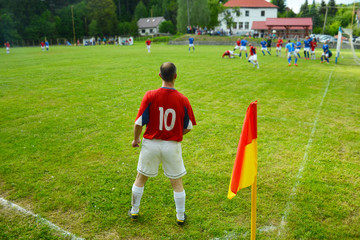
x: 245, y: 166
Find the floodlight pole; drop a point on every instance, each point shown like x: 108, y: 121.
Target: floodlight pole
x: 72, y: 14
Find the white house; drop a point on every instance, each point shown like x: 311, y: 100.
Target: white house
x: 149, y: 26
x: 245, y: 12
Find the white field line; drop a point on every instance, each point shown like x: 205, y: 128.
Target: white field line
x: 9, y: 204
x: 303, y: 163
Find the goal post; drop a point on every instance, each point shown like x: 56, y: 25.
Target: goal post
x: 345, y: 40
x: 338, y: 45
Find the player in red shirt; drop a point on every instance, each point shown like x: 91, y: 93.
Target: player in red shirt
x: 148, y: 44
x: 42, y: 45
x: 279, y: 46
x: 237, y: 46
x: 168, y: 116
x: 228, y: 53
x: 313, y: 45
x: 7, y: 46
x: 253, y: 57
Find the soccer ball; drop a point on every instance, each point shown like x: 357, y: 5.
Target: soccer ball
x: 274, y: 31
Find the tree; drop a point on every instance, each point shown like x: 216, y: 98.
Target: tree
x: 314, y: 13
x: 140, y: 11
x: 7, y: 28
x: 228, y: 19
x: 332, y: 8
x: 281, y: 4
x: 304, y: 9
x: 198, y: 10
x: 167, y: 27
x: 322, y: 9
x: 104, y: 12
x: 215, y: 9
x: 41, y: 27
x: 94, y: 28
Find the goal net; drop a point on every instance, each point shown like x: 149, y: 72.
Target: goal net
x: 347, y: 48
x: 126, y: 41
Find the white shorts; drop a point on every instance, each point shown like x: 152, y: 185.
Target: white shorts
x: 167, y: 152
x: 243, y: 48
x: 236, y: 47
x: 312, y: 52
x: 263, y: 49
x: 278, y: 48
x: 297, y: 50
x: 7, y: 49
x: 325, y: 54
x: 148, y: 47
x: 42, y: 48
x: 191, y: 45
x: 292, y: 53
x: 253, y: 58
x: 307, y: 49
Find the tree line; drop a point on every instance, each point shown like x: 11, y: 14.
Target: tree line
x: 53, y: 19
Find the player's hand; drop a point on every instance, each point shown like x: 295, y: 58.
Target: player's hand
x: 135, y: 143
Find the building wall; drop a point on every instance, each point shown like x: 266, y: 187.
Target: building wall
x: 149, y: 31
x: 243, y: 23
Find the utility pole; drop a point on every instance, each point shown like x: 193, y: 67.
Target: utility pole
x: 326, y: 13
x: 188, y: 12
x: 72, y: 14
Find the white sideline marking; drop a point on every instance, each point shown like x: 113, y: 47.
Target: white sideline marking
x: 9, y: 204
x: 303, y: 163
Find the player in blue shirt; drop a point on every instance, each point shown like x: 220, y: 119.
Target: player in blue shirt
x: 326, y: 53
x: 264, y: 47
x: 307, y: 47
x: 47, y: 45
x: 298, y: 48
x: 191, y: 43
x: 290, y: 48
x: 243, y: 47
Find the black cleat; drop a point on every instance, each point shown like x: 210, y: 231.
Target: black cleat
x: 181, y: 222
x: 133, y: 216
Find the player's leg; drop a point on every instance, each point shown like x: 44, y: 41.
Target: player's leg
x: 179, y: 198
x: 296, y: 59
x: 246, y: 53
x: 137, y: 192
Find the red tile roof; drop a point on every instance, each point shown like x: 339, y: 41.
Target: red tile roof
x: 250, y: 3
x: 289, y: 22
x: 263, y: 25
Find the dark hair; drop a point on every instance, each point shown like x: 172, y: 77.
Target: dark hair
x: 168, y: 71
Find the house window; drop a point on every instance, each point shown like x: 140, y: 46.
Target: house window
x: 143, y: 31
x: 246, y: 25
x: 234, y: 25
x: 241, y: 25
x: 151, y: 30
x: 263, y: 13
x: 247, y: 13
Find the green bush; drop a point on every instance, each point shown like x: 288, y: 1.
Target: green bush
x: 167, y: 27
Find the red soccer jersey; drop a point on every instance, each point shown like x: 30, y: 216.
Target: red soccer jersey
x: 238, y: 43
x: 313, y: 45
x: 252, y: 51
x: 148, y: 42
x: 166, y: 113
x: 42, y: 44
x: 7, y: 45
x: 279, y: 42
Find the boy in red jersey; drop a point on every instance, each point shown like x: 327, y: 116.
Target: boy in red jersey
x: 237, y: 46
x: 278, y: 47
x: 42, y: 45
x: 148, y: 44
x: 253, y: 57
x: 313, y: 45
x: 7, y: 46
x: 168, y: 116
x: 228, y: 53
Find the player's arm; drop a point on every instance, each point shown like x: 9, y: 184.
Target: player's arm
x: 185, y: 131
x: 137, y: 133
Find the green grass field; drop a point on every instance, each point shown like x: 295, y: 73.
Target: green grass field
x: 66, y: 126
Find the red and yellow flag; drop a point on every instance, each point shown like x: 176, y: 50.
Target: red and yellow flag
x: 245, y: 166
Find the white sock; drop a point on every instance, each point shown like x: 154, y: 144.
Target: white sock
x: 137, y: 193
x: 179, y: 198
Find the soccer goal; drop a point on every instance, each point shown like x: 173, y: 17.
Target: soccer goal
x: 345, y: 41
x: 126, y: 41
